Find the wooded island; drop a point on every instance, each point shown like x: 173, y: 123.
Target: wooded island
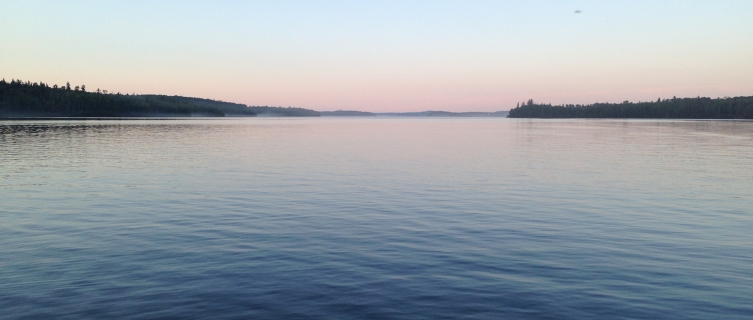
x: 682, y: 108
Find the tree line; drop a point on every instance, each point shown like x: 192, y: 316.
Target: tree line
x: 682, y: 108
x: 27, y: 99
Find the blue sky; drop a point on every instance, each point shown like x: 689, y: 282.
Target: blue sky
x: 385, y: 55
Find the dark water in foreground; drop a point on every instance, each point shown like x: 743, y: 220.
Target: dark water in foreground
x: 376, y: 219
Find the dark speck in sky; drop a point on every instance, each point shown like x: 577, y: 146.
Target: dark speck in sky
x: 577, y: 11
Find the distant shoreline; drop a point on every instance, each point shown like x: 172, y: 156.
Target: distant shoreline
x: 20, y: 99
x: 675, y: 108
x: 116, y: 118
x: 340, y: 117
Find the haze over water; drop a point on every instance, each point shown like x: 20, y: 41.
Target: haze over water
x: 376, y: 218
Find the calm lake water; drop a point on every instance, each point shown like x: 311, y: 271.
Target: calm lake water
x: 384, y: 218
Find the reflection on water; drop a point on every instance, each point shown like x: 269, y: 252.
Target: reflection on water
x: 376, y: 218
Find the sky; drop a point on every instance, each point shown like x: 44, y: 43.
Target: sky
x: 385, y: 56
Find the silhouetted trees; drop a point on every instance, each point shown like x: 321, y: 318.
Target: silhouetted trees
x: 22, y: 99
x: 685, y: 108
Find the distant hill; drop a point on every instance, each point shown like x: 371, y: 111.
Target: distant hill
x: 684, y: 108
x: 346, y: 113
x: 266, y: 111
x: 443, y: 114
x: 456, y: 114
x: 226, y: 108
x: 26, y: 99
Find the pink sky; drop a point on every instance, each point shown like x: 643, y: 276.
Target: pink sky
x: 386, y: 56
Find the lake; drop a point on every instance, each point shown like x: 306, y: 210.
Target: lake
x: 378, y: 218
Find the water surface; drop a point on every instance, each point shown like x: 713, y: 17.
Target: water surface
x: 376, y: 219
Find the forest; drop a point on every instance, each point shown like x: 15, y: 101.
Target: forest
x: 682, y: 108
x: 27, y: 99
